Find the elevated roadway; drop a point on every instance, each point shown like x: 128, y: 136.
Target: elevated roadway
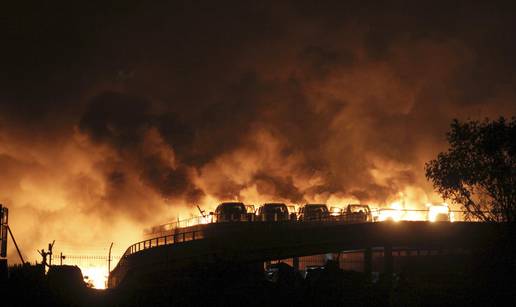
x: 254, y: 242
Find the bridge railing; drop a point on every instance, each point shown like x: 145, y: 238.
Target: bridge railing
x: 169, y: 239
x: 376, y: 215
x: 385, y: 214
x: 167, y: 228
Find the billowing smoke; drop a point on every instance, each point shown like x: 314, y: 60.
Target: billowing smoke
x: 112, y: 120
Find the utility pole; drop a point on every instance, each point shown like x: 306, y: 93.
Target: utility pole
x: 4, y: 271
x: 61, y: 258
x: 4, y: 229
x: 109, y: 259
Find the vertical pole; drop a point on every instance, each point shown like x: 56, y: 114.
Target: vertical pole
x: 368, y: 262
x: 295, y: 263
x: 388, y: 261
x: 61, y: 258
x: 3, y: 232
x: 49, y: 254
x: 109, y: 259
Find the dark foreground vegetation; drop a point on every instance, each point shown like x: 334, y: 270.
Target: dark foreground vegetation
x: 482, y: 278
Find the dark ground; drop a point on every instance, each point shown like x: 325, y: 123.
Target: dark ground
x: 483, y: 278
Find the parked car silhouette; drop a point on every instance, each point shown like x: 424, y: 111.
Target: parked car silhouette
x: 231, y: 212
x: 273, y: 212
x: 358, y: 213
x: 310, y: 212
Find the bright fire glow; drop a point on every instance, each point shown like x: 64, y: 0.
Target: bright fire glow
x: 439, y: 212
x: 96, y: 276
x: 335, y: 211
x: 401, y: 211
x: 205, y: 219
x: 394, y: 213
x: 414, y: 216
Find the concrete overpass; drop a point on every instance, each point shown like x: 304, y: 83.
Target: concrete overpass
x: 255, y: 242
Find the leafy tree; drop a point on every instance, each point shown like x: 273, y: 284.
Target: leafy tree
x: 479, y: 169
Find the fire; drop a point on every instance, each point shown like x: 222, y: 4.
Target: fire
x: 394, y: 213
x: 335, y: 211
x: 414, y: 216
x: 398, y: 212
x: 96, y: 276
x: 440, y: 212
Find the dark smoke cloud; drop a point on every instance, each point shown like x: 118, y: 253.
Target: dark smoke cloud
x: 128, y: 109
x: 123, y: 122
x: 117, y: 119
x: 283, y: 188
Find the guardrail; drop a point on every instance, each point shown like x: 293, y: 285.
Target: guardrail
x: 164, y: 240
x: 197, y: 220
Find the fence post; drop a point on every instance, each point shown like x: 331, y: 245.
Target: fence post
x: 387, y: 262
x: 368, y: 262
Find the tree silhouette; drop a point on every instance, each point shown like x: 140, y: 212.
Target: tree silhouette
x: 479, y: 169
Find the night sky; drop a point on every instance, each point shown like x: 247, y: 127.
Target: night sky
x: 117, y: 116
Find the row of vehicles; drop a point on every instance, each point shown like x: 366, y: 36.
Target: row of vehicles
x: 276, y: 212
x: 237, y: 211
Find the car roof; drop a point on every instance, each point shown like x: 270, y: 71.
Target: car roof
x: 274, y: 204
x: 231, y: 203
